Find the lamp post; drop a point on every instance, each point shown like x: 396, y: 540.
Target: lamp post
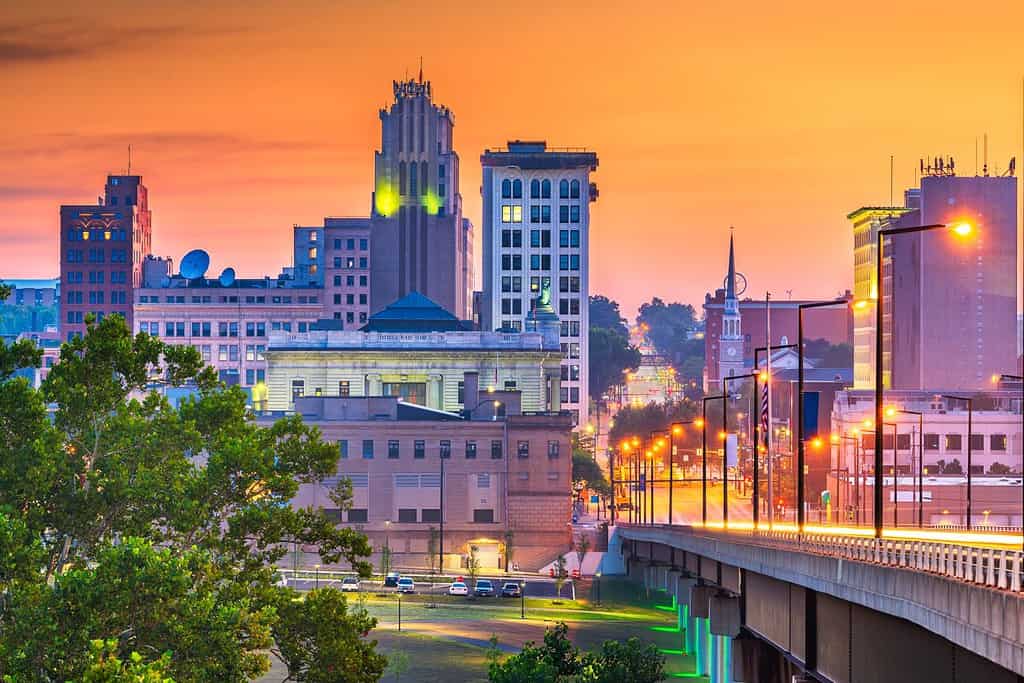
x: 839, y: 439
x: 766, y: 377
x: 800, y: 436
x: 316, y: 573
x: 1017, y: 378
x: 387, y: 545
x: 675, y: 429
x: 725, y: 444
x: 920, y: 463
x: 655, y: 446
x: 962, y: 229
x: 522, y: 598
x: 440, y: 512
x: 704, y: 455
x: 970, y: 453
x: 597, y: 588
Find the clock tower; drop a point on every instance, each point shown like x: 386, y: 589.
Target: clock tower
x: 730, y: 341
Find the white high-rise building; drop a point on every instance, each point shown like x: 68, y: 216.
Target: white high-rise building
x: 536, y: 233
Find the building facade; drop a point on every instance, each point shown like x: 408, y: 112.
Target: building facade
x: 420, y: 241
x: 949, y: 307
x: 415, y: 350
x: 336, y: 257
x: 536, y: 232
x: 102, y: 247
x: 505, y: 483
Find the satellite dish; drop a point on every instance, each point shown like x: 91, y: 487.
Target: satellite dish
x: 194, y: 264
x: 227, y: 278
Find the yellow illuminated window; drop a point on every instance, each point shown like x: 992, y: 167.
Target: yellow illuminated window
x: 506, y: 213
x: 312, y: 252
x: 517, y: 214
x: 511, y: 213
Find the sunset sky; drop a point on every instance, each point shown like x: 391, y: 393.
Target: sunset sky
x: 248, y: 117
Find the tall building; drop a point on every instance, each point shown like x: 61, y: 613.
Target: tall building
x: 536, y: 236
x: 336, y: 257
x: 420, y: 241
x: 949, y: 306
x: 730, y: 341
x: 102, y: 247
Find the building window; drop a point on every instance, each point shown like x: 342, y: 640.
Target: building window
x: 931, y: 442
x: 506, y: 189
x: 298, y: 386
x: 392, y: 449
x: 545, y: 189
x: 574, y: 214
x: 517, y: 189
x: 367, y: 449
x: 343, y: 388
x: 407, y: 515
x: 997, y: 442
x: 471, y: 450
x: 446, y: 449
x: 357, y: 515
x: 496, y: 450
x: 574, y: 189
x: 553, y: 449
x: 483, y: 516
x: 563, y: 189
x: 954, y: 442
x: 430, y: 515
x: 977, y: 442
x: 511, y: 213
x: 534, y: 189
x: 523, y: 449
x: 419, y: 449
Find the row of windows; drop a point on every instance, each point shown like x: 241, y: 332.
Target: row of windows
x: 97, y: 256
x: 78, y: 317
x: 230, y: 352
x: 224, y: 329
x: 406, y: 515
x: 950, y: 442
x: 419, y: 449
x: 206, y: 299
x: 540, y: 262
x: 570, y: 350
x: 95, y: 297
x: 350, y: 244
x: 117, y: 277
x: 513, y: 213
x: 569, y: 394
x: 350, y: 280
x: 350, y: 317
x: 513, y: 239
x: 351, y: 262
x: 97, y: 235
x: 350, y: 299
x: 570, y: 373
x: 540, y: 189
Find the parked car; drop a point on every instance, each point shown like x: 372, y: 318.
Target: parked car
x: 350, y: 584
x: 458, y: 588
x: 511, y: 590
x: 484, y: 588
x: 406, y: 585
x: 391, y: 580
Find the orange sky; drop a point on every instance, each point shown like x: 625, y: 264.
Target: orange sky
x: 248, y: 117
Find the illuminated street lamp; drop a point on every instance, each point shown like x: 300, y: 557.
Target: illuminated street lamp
x: 962, y: 229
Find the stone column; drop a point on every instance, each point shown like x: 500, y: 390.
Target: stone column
x: 434, y: 392
x: 555, y: 384
x: 374, y: 386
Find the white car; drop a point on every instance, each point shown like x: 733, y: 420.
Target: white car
x: 406, y: 585
x: 458, y: 588
x: 350, y: 584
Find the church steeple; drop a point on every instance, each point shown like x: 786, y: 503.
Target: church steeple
x: 730, y: 340
x: 730, y: 287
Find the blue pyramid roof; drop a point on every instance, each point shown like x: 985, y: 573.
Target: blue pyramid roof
x: 414, y: 312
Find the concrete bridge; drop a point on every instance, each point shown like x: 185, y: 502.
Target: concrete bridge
x: 763, y: 606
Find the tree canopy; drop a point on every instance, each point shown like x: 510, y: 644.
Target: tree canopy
x: 124, y: 518
x: 586, y: 470
x: 667, y: 328
x: 611, y: 355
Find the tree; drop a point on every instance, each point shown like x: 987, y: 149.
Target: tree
x: 999, y: 468
x: 106, y: 667
x: 582, y: 546
x: 604, y: 313
x: 611, y: 357
x: 319, y: 640
x: 510, y: 547
x: 829, y: 355
x: 560, y: 575
x: 623, y: 662
x: 473, y: 563
x: 432, y: 546
x: 556, y: 660
x: 385, y: 559
x: 90, y: 488
x: 953, y: 467
x: 667, y: 327
x: 398, y: 663
x: 586, y: 470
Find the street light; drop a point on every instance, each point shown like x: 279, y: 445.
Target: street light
x: 725, y: 449
x: 522, y: 598
x: 800, y: 454
x: 765, y: 376
x: 597, y: 588
x: 962, y: 230
x: 970, y: 452
x: 920, y: 463
x: 316, y: 573
x: 675, y: 429
x: 704, y: 454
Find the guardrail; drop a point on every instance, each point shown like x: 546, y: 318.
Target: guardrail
x: 992, y: 567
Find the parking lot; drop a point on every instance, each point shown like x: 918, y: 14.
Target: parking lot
x: 535, y: 587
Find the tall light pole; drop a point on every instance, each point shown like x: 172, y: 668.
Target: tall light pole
x: 962, y: 229
x: 766, y: 378
x: 704, y: 455
x: 725, y: 442
x: 970, y: 453
x: 1016, y: 378
x: 800, y: 436
x: 675, y: 429
x: 920, y: 463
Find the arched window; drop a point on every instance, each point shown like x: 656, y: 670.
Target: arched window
x: 506, y: 189
x: 423, y: 178
x: 574, y: 189
x: 535, y: 189
x: 563, y: 189
x: 517, y: 189
x: 545, y: 189
x: 401, y: 177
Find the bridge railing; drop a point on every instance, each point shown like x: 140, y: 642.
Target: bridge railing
x: 997, y: 568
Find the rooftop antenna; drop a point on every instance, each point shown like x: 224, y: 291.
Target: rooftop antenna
x: 421, y: 69
x: 891, y: 161
x: 129, y: 160
x: 984, y: 168
x: 975, y: 155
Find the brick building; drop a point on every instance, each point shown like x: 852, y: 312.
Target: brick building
x: 508, y: 473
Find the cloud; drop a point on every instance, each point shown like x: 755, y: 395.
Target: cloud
x: 59, y: 39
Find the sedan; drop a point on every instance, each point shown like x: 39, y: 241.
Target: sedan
x: 458, y: 588
x: 350, y: 584
x: 406, y: 585
x: 484, y: 588
x: 511, y: 590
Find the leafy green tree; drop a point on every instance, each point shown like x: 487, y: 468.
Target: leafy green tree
x: 510, y: 549
x: 473, y: 565
x: 556, y: 660
x: 999, y: 468
x: 106, y: 667
x: 623, y: 662
x: 114, y: 462
x: 586, y: 470
x: 560, y: 575
x: 432, y: 546
x: 320, y: 640
x: 605, y: 313
x: 667, y: 327
x: 611, y: 357
x: 829, y: 355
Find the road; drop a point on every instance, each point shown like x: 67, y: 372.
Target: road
x: 535, y: 587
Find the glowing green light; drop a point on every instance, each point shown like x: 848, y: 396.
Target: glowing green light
x: 385, y: 199
x: 432, y: 203
x: 672, y: 652
x: 665, y: 629
x: 665, y: 608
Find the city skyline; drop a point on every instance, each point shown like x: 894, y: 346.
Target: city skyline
x: 309, y: 154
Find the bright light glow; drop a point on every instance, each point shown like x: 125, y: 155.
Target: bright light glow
x: 490, y: 389
x: 721, y: 435
x: 868, y: 423
x: 890, y: 411
x: 677, y: 430
x: 590, y: 428
x: 432, y: 203
x: 763, y: 376
x: 660, y: 442
x: 385, y: 199
x: 963, y: 229
x: 995, y: 379
x: 649, y: 454
x: 497, y: 404
x: 636, y: 440
x: 834, y: 438
x: 698, y: 422
x: 863, y: 303
x: 816, y: 442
